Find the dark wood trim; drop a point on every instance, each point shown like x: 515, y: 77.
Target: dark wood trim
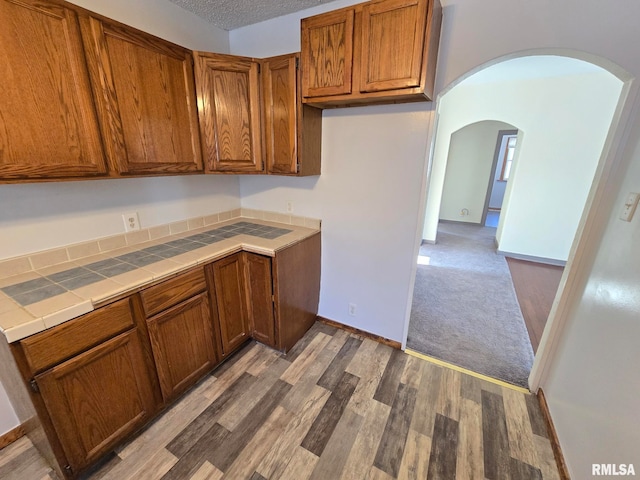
x: 11, y: 436
x: 553, y: 437
x: 372, y: 336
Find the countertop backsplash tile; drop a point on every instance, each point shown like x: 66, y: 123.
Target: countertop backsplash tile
x: 46, y: 288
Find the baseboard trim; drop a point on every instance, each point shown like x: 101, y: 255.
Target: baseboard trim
x: 11, y: 436
x: 372, y: 336
x: 428, y: 242
x: 531, y: 258
x: 477, y: 224
x: 553, y: 437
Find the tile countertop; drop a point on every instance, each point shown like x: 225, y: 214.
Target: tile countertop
x: 65, y: 299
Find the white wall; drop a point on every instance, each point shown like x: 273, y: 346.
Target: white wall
x: 594, y: 384
x: 8, y: 418
x: 368, y: 195
x: 165, y: 20
x: 368, y: 199
x: 39, y: 216
x: 564, y: 124
x: 467, y: 177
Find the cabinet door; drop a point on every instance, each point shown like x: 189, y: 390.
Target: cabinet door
x: 393, y: 33
x: 229, y: 109
x: 97, y: 398
x: 292, y: 131
x: 228, y: 279
x: 279, y: 80
x: 145, y: 92
x: 260, y: 298
x: 48, y: 123
x: 183, y: 345
x: 327, y: 53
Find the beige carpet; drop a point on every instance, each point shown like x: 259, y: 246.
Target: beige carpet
x: 465, y: 310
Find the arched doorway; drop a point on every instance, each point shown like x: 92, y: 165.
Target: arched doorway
x: 553, y: 98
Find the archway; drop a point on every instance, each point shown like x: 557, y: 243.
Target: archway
x: 571, y: 94
x: 475, y: 172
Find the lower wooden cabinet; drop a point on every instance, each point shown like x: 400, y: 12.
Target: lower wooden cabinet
x: 183, y: 345
x: 230, y: 299
x: 296, y: 290
x: 96, y: 379
x: 97, y: 398
x: 259, y: 283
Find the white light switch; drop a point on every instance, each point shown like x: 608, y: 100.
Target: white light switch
x: 630, y: 205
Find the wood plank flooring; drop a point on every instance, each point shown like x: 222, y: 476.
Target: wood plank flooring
x: 536, y: 285
x: 337, y: 407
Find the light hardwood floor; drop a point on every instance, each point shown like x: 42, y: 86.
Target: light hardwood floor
x: 336, y: 407
x: 536, y: 285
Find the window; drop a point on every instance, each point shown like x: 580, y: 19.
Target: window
x: 508, y: 157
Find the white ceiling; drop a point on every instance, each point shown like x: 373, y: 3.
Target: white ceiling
x: 231, y: 14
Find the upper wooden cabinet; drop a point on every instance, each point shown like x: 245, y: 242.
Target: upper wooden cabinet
x: 48, y: 123
x: 388, y: 28
x: 292, y: 131
x: 229, y: 108
x: 86, y: 96
x: 395, y: 44
x: 145, y: 93
x: 327, y: 53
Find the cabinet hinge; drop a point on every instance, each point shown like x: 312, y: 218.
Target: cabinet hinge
x: 259, y: 67
x: 68, y: 470
x: 297, y: 63
x: 34, y: 385
x: 273, y: 298
x: 297, y: 167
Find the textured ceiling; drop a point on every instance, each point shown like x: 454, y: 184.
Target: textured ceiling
x: 230, y: 14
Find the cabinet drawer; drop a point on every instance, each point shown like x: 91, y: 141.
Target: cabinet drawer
x: 53, y: 346
x: 172, y: 292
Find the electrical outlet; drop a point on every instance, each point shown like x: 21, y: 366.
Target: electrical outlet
x: 290, y: 206
x: 352, y: 309
x: 131, y: 221
x: 630, y: 205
